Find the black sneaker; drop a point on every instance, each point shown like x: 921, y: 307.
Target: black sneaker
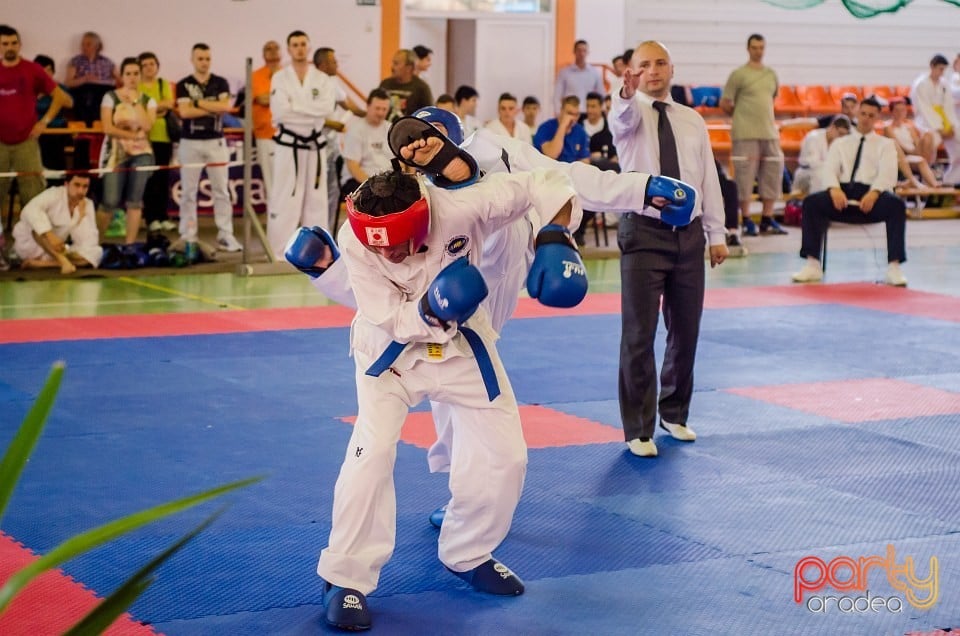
x: 770, y: 226
x: 346, y: 609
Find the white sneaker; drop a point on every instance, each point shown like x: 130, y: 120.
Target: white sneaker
x: 642, y: 449
x: 895, y: 276
x: 155, y: 226
x: 681, y: 432
x: 228, y: 243
x: 809, y: 273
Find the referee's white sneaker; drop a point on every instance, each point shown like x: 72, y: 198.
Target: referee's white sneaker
x: 895, y: 275
x: 642, y: 448
x: 811, y: 272
x: 681, y: 432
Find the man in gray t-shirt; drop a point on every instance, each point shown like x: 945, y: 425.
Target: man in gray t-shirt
x: 748, y: 96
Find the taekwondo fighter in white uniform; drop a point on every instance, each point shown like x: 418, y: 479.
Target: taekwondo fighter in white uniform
x: 508, y: 253
x: 421, y: 332
x: 301, y: 99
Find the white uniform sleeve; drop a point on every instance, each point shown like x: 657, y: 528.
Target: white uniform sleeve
x: 280, y: 100
x: 922, y: 97
x: 86, y: 237
x: 36, y: 212
x: 596, y: 189
x: 335, y: 284
x: 830, y: 170
x: 502, y: 198
x: 382, y: 303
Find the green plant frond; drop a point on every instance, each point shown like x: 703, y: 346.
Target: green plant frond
x: 86, y: 541
x: 26, y: 438
x: 108, y: 610
x: 97, y: 621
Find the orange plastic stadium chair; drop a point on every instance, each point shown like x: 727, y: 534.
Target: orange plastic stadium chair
x: 837, y: 92
x: 787, y: 102
x: 885, y: 93
x: 817, y: 99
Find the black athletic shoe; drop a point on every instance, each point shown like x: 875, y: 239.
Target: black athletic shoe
x: 346, y: 609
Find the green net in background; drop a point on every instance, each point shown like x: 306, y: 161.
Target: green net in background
x: 858, y: 8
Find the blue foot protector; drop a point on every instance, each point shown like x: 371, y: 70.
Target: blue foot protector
x: 493, y: 577
x: 436, y: 517
x: 346, y: 609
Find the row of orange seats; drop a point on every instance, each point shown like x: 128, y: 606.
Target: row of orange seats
x: 801, y: 100
x: 816, y: 100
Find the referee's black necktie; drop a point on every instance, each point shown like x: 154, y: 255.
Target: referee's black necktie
x: 669, y: 162
x: 856, y: 160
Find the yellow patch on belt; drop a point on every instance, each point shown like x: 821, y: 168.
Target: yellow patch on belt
x: 434, y: 351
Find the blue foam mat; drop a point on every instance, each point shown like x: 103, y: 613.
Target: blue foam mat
x: 701, y: 540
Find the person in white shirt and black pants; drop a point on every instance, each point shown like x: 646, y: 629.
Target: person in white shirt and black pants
x: 860, y: 174
x: 654, y: 134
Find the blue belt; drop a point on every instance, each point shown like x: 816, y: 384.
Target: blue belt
x: 487, y: 372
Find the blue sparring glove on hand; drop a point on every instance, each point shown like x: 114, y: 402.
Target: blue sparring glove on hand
x: 309, y: 245
x: 681, y: 196
x: 557, y: 277
x: 453, y: 295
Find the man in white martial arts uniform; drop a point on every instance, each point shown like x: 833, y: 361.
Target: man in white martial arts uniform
x: 53, y: 216
x: 301, y: 100
x: 420, y: 332
x: 508, y: 253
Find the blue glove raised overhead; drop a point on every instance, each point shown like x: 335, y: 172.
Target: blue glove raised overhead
x: 557, y: 277
x: 308, y: 246
x: 682, y: 198
x: 453, y: 295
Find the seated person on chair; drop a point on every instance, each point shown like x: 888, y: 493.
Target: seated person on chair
x: 813, y: 152
x: 53, y: 217
x: 912, y: 142
x: 860, y: 173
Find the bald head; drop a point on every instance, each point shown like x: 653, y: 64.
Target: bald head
x: 651, y: 61
x: 271, y: 53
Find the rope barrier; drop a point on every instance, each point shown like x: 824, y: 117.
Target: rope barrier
x: 59, y: 174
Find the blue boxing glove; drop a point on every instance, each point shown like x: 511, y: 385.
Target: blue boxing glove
x: 557, y: 277
x: 682, y: 198
x: 453, y: 295
x: 309, y: 250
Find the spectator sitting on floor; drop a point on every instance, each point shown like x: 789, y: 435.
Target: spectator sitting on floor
x: 53, y: 217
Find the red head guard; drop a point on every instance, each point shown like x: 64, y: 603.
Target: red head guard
x: 391, y: 228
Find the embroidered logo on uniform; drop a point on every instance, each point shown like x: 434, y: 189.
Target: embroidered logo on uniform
x: 457, y: 244
x: 377, y: 237
x: 315, y: 92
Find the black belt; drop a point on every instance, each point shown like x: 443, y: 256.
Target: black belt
x: 312, y: 141
x: 649, y: 221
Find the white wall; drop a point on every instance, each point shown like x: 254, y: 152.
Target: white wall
x: 823, y: 45
x: 706, y: 37
x: 234, y: 29
x: 431, y: 33
x: 601, y: 24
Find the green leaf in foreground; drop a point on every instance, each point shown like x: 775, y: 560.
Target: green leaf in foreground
x: 86, y: 541
x: 26, y: 439
x: 104, y: 614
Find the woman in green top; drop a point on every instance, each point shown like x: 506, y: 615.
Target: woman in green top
x: 158, y: 186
